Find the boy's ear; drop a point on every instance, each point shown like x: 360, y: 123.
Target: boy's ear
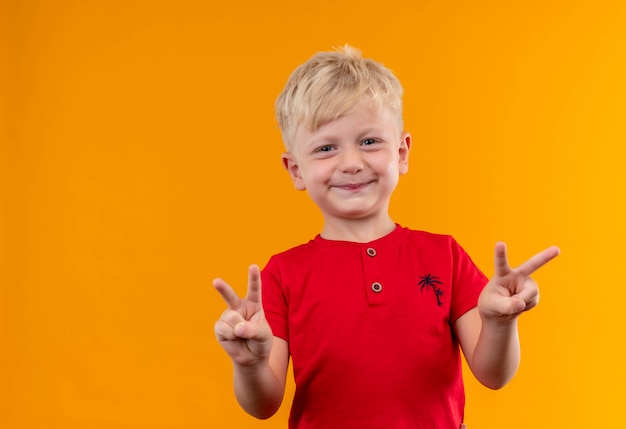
x: 291, y: 165
x: 403, y: 154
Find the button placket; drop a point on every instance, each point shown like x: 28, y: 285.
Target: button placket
x: 373, y: 275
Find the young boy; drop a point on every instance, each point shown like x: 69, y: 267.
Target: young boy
x: 371, y: 313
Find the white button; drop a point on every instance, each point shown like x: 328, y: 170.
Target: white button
x: 377, y: 287
x: 371, y: 252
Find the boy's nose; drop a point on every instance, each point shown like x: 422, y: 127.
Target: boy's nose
x: 351, y: 161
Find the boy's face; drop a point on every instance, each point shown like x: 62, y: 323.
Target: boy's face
x: 351, y: 165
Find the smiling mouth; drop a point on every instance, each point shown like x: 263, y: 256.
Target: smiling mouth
x: 353, y: 186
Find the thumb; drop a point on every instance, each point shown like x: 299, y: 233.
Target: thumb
x: 505, y: 306
x: 517, y: 305
x: 240, y: 330
x: 251, y: 331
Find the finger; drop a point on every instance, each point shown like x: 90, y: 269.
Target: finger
x: 529, y: 293
x: 508, y: 306
x: 252, y: 331
x: 224, y: 331
x: 538, y: 261
x: 501, y: 261
x: 227, y: 292
x: 227, y: 325
x: 254, y: 284
x: 532, y: 303
x: 232, y: 317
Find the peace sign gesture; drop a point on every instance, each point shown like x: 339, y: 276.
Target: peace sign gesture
x: 512, y: 291
x: 242, y: 330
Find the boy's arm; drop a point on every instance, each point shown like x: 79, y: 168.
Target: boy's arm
x: 492, y: 351
x: 259, y: 389
x: 488, y: 333
x: 260, y: 360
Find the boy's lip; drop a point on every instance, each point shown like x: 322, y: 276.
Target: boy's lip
x: 353, y: 186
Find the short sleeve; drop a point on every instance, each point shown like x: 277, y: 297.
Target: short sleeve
x: 468, y: 282
x: 274, y: 299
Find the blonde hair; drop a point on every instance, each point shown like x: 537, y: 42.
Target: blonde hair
x: 328, y: 85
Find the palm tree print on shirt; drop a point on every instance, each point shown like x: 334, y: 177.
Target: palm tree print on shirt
x: 430, y: 281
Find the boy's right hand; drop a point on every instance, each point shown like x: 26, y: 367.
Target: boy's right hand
x: 243, y: 330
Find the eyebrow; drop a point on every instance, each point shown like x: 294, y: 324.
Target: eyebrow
x: 368, y: 130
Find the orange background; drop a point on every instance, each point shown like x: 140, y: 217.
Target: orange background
x: 140, y: 159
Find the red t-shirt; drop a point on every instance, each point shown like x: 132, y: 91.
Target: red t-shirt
x: 369, y: 327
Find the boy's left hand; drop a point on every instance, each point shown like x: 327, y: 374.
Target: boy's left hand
x: 512, y: 291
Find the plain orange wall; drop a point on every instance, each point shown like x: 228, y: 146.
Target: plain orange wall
x: 140, y: 159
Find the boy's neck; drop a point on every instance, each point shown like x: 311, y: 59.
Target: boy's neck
x: 357, y: 230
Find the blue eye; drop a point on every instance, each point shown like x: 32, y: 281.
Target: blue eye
x: 326, y: 148
x: 368, y: 142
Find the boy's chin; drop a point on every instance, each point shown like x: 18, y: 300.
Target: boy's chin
x: 357, y: 215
